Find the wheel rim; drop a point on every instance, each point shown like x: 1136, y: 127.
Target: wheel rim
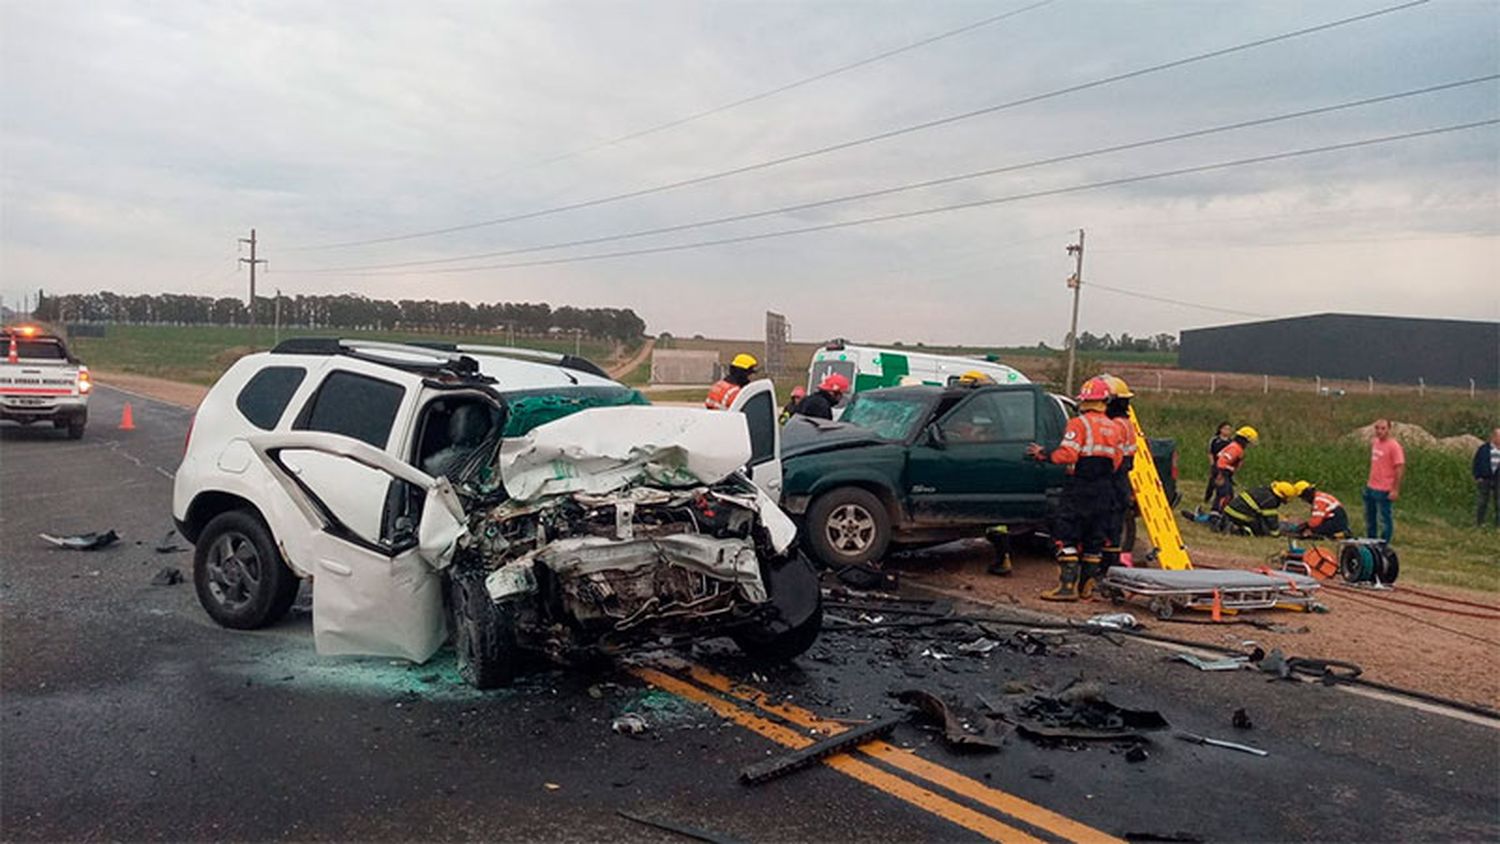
x: 234, y: 571
x: 850, y: 529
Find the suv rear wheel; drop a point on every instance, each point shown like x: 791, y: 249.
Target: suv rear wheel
x: 238, y: 573
x: 484, y: 632
x: 848, y: 526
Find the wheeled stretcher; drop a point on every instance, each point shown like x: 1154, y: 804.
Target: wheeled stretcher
x: 1168, y: 591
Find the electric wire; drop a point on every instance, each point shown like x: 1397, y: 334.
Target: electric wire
x: 879, y: 136
x: 1094, y: 285
x: 911, y: 186
x: 960, y: 206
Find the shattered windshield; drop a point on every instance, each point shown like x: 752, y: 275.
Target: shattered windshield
x: 529, y: 409
x: 890, y: 416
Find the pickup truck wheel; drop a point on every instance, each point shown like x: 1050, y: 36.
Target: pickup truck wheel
x: 75, y: 429
x: 484, y: 632
x: 240, y: 578
x: 848, y: 526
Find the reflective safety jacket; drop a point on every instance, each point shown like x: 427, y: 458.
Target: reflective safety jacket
x: 1090, y: 446
x: 1128, y: 442
x: 721, y: 395
x: 1254, y: 504
x: 1324, y: 506
x: 1230, y: 457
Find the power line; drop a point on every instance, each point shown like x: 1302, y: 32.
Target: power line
x: 1126, y: 180
x: 880, y: 136
x: 781, y: 89
x: 992, y: 171
x: 1094, y: 285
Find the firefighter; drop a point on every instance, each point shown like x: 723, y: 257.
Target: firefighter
x: 820, y: 403
x: 722, y: 394
x: 1256, y: 512
x: 1117, y: 408
x: 1091, y: 450
x: 1228, y: 462
x: 799, y: 392
x: 1329, y: 519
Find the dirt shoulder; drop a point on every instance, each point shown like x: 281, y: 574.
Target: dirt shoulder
x: 1424, y: 649
x: 172, y: 392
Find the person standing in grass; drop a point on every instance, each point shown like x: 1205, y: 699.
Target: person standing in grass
x: 1387, y: 469
x: 1222, y: 437
x: 1487, y: 477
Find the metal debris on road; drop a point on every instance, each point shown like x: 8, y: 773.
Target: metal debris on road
x: 777, y: 766
x: 1194, y: 738
x: 630, y: 724
x: 1228, y: 663
x: 83, y: 541
x: 1241, y: 720
x: 1081, y: 712
x: 168, y: 544
x: 1114, y: 621
x: 936, y: 654
x: 959, y: 733
x: 168, y: 576
x: 981, y: 646
x: 681, y: 829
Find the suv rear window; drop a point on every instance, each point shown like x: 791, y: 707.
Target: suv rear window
x: 353, y: 405
x: 265, y: 396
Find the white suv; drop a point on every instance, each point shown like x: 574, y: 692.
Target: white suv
x: 545, y: 506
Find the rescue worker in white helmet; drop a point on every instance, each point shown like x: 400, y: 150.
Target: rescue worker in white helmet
x: 820, y: 403
x: 1117, y: 408
x: 1090, y: 448
x: 722, y: 394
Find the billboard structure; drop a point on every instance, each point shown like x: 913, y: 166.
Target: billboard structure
x: 777, y: 331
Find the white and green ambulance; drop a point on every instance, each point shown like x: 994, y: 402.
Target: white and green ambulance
x: 870, y: 367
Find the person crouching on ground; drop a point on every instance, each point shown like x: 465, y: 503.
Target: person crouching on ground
x: 1257, y: 512
x: 1329, y: 519
x: 1090, y: 449
x: 1387, y: 470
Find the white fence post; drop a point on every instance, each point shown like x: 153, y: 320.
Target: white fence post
x: 1421, y: 386
x: 1319, y: 388
x: 1265, y: 384
x: 1213, y: 382
x: 1471, y: 388
x: 1372, y: 384
x: 1158, y: 380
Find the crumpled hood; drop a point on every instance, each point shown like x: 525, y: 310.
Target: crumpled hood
x: 809, y: 436
x: 603, y: 449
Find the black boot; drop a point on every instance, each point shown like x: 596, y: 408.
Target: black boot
x: 1067, y: 582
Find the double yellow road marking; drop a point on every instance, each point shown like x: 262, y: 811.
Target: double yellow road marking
x: 728, y: 699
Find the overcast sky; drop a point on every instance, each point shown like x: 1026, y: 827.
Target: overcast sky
x: 139, y: 140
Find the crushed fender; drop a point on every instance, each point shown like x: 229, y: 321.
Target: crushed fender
x: 961, y: 731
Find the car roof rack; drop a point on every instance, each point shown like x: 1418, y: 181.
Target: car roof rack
x: 562, y: 359
x: 433, y: 362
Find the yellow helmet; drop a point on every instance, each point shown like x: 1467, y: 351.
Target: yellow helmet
x: 744, y: 361
x: 1248, y: 433
x: 1284, y: 490
x: 974, y: 378
x: 1302, y: 486
x: 1117, y: 387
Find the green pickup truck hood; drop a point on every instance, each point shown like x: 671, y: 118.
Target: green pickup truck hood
x: 804, y: 436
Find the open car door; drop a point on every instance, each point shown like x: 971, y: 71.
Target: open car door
x: 757, y: 400
x: 376, y: 590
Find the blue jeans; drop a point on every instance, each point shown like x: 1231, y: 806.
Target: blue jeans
x: 1378, y: 504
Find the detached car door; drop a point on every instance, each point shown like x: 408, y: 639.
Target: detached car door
x: 970, y: 466
x: 375, y: 592
x: 757, y: 400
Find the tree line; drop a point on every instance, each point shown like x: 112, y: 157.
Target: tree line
x: 1088, y: 342
x: 344, y: 310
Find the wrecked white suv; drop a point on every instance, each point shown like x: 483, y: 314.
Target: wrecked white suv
x: 539, y: 506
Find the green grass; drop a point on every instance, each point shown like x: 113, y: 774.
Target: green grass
x: 1304, y: 437
x: 200, y: 354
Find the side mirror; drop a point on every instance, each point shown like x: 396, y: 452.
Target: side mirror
x: 935, y: 436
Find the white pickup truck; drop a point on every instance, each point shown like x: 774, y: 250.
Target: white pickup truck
x: 41, y: 381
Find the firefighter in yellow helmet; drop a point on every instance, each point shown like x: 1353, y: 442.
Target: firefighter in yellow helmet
x: 1256, y: 512
x: 1117, y: 408
x: 741, y: 370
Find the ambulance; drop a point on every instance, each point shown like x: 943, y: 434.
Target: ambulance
x: 871, y: 367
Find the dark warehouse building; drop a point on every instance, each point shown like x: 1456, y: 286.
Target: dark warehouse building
x: 1390, y: 349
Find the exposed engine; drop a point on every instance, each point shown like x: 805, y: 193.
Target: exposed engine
x: 583, y: 569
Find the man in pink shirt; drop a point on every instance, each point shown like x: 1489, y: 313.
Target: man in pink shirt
x: 1387, y: 468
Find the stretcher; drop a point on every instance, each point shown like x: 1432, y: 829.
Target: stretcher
x: 1166, y: 591
x: 1156, y: 511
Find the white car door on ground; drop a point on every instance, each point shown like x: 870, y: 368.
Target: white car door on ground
x: 374, y: 593
x: 757, y: 400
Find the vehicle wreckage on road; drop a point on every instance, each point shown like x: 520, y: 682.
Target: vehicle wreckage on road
x: 522, y: 500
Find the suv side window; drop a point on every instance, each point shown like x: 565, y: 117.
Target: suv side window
x: 354, y: 405
x: 760, y: 416
x: 997, y: 416
x: 265, y: 396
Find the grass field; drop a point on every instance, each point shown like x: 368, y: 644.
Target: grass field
x: 199, y: 354
x: 1304, y: 437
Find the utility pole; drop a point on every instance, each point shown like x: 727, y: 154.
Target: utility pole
x: 1075, y: 282
x: 252, y: 261
x: 276, y: 335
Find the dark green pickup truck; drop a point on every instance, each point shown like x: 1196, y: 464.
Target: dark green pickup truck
x: 923, y: 465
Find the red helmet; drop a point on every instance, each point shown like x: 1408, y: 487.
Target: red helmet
x: 799, y: 391
x: 834, y: 383
x: 1094, y: 389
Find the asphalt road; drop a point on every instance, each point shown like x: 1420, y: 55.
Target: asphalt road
x: 127, y: 714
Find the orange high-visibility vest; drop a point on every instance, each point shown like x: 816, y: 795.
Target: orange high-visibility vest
x: 721, y: 395
x: 1091, y: 435
x: 1323, y: 507
x: 1230, y: 457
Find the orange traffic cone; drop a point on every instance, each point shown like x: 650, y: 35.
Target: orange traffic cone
x: 1218, y: 609
x: 127, y: 419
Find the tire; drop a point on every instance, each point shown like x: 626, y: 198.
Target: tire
x: 785, y: 646
x: 848, y: 526
x: 75, y: 430
x: 238, y: 573
x: 484, y: 633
